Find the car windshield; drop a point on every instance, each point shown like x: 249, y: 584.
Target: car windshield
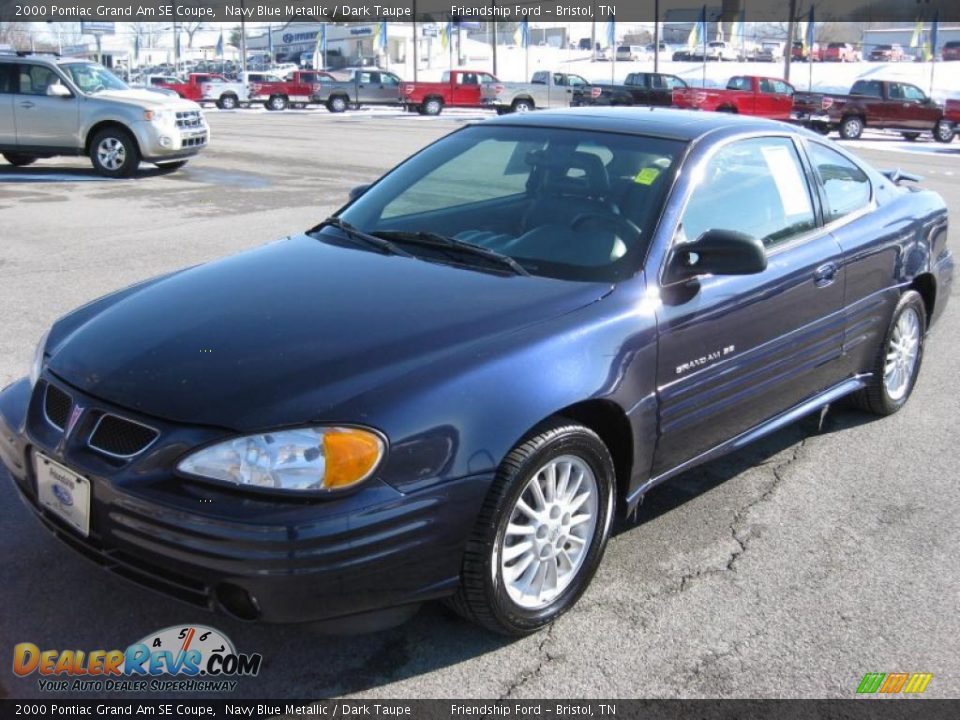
x: 569, y: 204
x: 92, y: 78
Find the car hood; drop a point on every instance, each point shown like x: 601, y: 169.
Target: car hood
x: 146, y: 99
x: 300, y: 323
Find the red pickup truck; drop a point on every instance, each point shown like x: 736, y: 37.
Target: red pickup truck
x: 189, y: 89
x: 298, y: 88
x: 881, y: 104
x: 457, y: 88
x: 744, y: 94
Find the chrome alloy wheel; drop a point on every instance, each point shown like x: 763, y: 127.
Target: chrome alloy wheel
x: 549, y: 533
x: 902, y: 354
x: 111, y: 153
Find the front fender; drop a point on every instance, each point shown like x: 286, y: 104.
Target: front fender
x: 463, y: 418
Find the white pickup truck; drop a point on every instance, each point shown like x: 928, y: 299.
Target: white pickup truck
x: 238, y: 90
x: 546, y: 89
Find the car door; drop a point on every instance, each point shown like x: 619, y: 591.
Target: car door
x: 389, y: 88
x: 735, y: 351
x: 918, y: 112
x: 42, y: 120
x: 783, y: 103
x: 8, y: 128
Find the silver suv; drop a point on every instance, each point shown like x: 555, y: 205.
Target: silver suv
x: 67, y: 106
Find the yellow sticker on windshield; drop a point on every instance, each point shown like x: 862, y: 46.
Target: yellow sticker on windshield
x: 647, y: 176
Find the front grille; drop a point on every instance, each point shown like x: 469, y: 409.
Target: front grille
x: 189, y: 120
x: 195, y: 141
x: 56, y: 406
x: 119, y: 437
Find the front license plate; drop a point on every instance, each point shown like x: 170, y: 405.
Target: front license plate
x: 64, y: 493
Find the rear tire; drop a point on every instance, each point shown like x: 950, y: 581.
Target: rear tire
x: 228, y: 102
x: 521, y: 106
x: 337, y: 104
x: 898, y: 359
x: 114, y: 153
x: 277, y: 103
x: 851, y: 127
x: 19, y: 160
x: 537, y: 543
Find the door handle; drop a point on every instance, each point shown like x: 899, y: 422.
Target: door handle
x: 825, y: 274
x: 26, y: 104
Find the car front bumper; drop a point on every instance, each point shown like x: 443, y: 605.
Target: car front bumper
x: 160, y: 143
x: 252, y: 556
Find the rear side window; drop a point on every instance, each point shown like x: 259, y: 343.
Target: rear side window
x: 869, y: 88
x: 7, y: 78
x: 846, y: 186
x: 752, y: 186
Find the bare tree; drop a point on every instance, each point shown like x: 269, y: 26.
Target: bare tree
x: 145, y: 32
x: 190, y: 29
x: 15, y: 34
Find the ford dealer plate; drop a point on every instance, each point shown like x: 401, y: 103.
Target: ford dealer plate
x: 64, y: 493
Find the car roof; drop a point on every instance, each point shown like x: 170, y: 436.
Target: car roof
x: 684, y: 125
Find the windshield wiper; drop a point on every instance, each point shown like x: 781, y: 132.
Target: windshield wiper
x: 359, y: 236
x: 442, y: 242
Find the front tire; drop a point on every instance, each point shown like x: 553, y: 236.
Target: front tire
x: 851, y: 128
x: 898, y: 361
x: 943, y: 132
x: 337, y: 104
x: 431, y: 107
x: 541, y: 531
x: 19, y: 159
x: 114, y: 153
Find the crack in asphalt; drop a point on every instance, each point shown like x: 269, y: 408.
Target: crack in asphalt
x: 543, y: 658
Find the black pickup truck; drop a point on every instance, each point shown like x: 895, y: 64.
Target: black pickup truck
x: 641, y: 88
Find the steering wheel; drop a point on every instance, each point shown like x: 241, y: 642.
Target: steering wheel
x: 633, y: 232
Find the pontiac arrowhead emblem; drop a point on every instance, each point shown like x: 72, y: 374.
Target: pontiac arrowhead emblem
x: 74, y: 416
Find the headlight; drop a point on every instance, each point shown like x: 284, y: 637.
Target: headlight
x: 313, y: 459
x: 36, y: 367
x: 160, y: 117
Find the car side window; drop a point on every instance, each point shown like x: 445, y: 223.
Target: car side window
x: 388, y: 79
x: 846, y: 186
x: 910, y: 92
x: 7, y: 78
x: 738, y: 83
x: 35, y: 79
x: 896, y: 91
x: 754, y: 186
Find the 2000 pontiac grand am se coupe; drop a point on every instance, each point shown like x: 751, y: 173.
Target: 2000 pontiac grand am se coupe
x: 449, y: 388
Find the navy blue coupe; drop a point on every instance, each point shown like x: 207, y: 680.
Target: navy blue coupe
x: 448, y: 389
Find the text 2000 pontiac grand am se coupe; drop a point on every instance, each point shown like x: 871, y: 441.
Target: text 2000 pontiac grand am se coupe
x: 448, y: 389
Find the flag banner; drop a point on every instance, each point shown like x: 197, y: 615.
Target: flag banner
x: 522, y: 35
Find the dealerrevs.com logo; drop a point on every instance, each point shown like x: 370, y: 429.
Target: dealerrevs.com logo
x: 198, y: 658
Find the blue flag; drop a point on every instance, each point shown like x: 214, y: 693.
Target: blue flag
x: 811, y: 30
x: 611, y: 31
x: 220, y: 45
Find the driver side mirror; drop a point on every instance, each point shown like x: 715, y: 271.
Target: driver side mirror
x: 718, y: 252
x: 358, y: 191
x: 58, y: 90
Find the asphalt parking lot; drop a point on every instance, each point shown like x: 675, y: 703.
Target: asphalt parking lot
x: 787, y: 570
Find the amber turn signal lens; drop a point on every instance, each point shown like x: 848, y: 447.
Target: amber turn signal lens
x: 351, y: 455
